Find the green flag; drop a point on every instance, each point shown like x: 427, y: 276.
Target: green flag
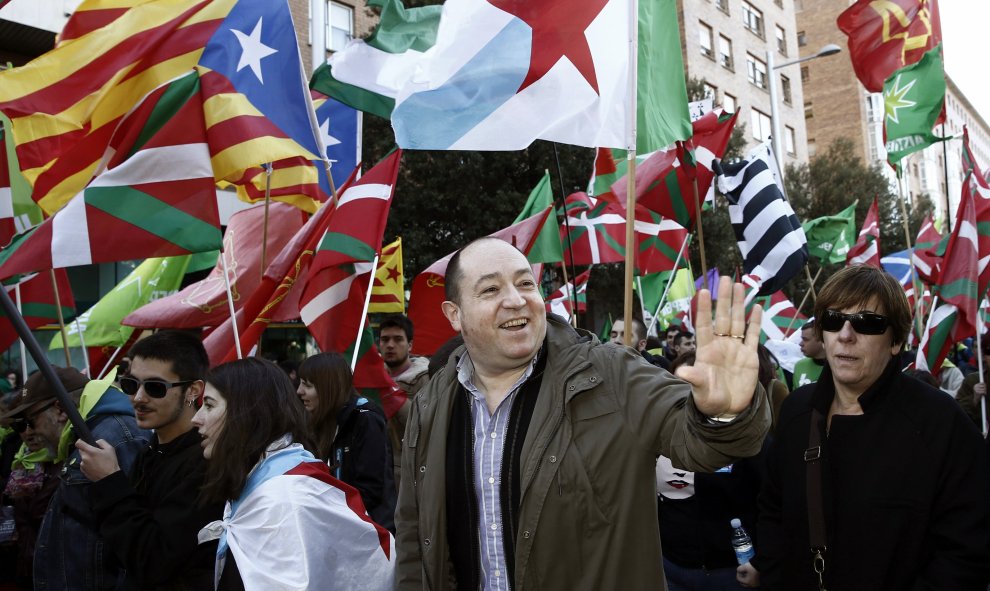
x: 606, y: 334
x: 678, y: 297
x: 547, y: 248
x: 662, y: 116
x: 913, y: 97
x: 830, y: 237
x: 375, y: 68
x: 151, y: 280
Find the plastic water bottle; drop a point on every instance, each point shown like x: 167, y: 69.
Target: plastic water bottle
x: 741, y: 542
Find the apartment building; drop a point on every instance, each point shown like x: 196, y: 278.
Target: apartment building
x: 725, y: 44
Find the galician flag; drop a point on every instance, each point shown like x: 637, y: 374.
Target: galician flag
x: 913, y: 98
x: 504, y: 73
x: 830, y: 237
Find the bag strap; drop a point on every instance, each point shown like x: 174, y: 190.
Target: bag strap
x: 816, y: 512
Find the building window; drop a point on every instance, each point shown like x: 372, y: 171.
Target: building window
x: 722, y: 5
x: 802, y: 38
x: 705, y: 38
x: 785, y: 88
x: 725, y: 52
x: 779, y: 3
x: 789, y: 140
x: 805, y: 75
x: 728, y: 102
x: 340, y: 27
x: 759, y: 125
x: 752, y: 18
x: 711, y: 92
x: 756, y: 71
x: 781, y: 40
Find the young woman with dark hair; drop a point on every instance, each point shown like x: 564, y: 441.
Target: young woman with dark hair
x: 349, y: 433
x: 288, y: 524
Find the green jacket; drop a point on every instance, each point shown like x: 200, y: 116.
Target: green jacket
x: 588, y: 509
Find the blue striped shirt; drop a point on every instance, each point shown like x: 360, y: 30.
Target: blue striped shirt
x: 489, y: 440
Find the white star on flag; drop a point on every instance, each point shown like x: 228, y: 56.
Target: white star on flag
x: 253, y: 50
x: 328, y: 140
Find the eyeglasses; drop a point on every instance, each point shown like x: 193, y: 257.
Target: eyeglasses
x: 154, y: 388
x: 863, y: 322
x: 22, y: 424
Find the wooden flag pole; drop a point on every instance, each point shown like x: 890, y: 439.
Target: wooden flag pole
x: 805, y: 298
x: 811, y: 286
x: 61, y: 320
x: 264, y: 231
x: 631, y: 174
x: 701, y: 233
x: 919, y: 289
x: 983, y: 399
x: 230, y: 304
x: 364, y: 313
x: 333, y: 189
x: 567, y: 231
x: 45, y: 367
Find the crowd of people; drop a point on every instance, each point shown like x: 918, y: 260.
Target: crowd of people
x: 528, y: 455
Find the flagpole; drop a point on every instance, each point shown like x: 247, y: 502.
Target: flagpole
x: 230, y: 305
x: 907, y: 236
x: 264, y: 231
x: 82, y: 342
x: 109, y: 363
x: 701, y: 233
x: 20, y: 310
x: 945, y: 169
x: 811, y: 287
x: 983, y: 399
x: 567, y: 229
x: 631, y: 173
x: 61, y: 320
x: 333, y: 189
x: 670, y: 280
x: 642, y: 304
x: 804, y: 299
x: 364, y: 314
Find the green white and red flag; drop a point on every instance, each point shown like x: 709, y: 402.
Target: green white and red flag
x: 598, y: 235
x: 37, y: 303
x: 961, y: 274
x: 154, y: 195
x: 886, y: 36
x: 204, y: 303
x: 781, y: 318
x: 561, y: 302
x: 926, y: 258
x: 427, y: 294
x: 866, y: 251
x: 339, y: 277
x: 981, y: 186
x: 937, y: 339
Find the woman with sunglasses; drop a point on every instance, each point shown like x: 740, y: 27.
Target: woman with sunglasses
x: 349, y: 432
x: 288, y: 524
x: 876, y: 480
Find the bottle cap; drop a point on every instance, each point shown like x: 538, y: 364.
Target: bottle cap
x: 735, y: 523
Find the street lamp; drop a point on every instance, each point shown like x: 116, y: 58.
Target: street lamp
x: 830, y: 49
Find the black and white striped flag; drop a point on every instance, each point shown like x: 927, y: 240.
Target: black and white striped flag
x: 770, y: 237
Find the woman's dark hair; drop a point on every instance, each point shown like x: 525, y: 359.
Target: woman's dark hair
x: 858, y: 285
x: 331, y: 375
x: 261, y: 407
x: 768, y: 366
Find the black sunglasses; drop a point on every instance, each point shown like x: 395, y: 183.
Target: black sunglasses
x: 20, y: 425
x: 863, y: 322
x: 154, y: 388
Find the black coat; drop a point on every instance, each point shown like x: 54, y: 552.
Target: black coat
x: 905, y: 493
x: 361, y: 456
x: 151, y: 521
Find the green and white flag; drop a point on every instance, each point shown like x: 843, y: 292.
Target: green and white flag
x: 913, y: 98
x: 368, y: 73
x: 101, y: 325
x: 830, y: 237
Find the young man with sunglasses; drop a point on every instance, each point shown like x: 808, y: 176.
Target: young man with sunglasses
x: 890, y: 467
x: 150, y: 520
x: 69, y: 553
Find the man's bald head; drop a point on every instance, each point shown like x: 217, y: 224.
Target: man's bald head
x: 454, y: 274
